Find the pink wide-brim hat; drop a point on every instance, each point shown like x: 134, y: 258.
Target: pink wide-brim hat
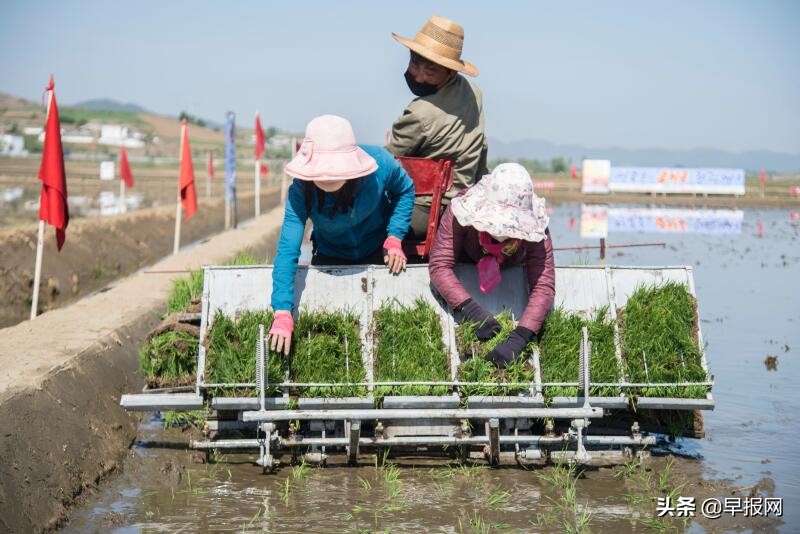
x: 503, y: 204
x: 329, y: 153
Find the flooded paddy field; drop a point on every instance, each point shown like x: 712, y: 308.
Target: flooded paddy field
x: 746, y: 271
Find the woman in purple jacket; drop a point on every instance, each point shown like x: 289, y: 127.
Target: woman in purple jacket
x: 497, y: 223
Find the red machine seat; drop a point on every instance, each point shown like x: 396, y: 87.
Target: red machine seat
x: 431, y: 177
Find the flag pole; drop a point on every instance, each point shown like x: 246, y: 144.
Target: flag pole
x: 227, y: 210
x: 37, y: 276
x: 177, y: 243
x: 37, y: 271
x: 258, y: 188
x: 122, y: 195
x: 208, y: 175
x: 257, y: 166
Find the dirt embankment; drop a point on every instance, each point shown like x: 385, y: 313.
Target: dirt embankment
x: 98, y: 251
x: 63, y: 374
x: 59, y: 440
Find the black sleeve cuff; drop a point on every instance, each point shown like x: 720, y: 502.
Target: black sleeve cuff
x: 461, y: 306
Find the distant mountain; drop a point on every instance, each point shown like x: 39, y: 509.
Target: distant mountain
x: 648, y: 157
x: 8, y: 101
x: 107, y: 104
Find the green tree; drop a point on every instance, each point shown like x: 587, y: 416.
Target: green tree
x: 558, y: 165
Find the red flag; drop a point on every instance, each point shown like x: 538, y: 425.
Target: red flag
x: 573, y: 171
x: 125, y: 168
x: 259, y: 138
x: 264, y: 169
x: 762, y: 177
x: 210, y: 165
x: 186, y: 180
x: 53, y: 208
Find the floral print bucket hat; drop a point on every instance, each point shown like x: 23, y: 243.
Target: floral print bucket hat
x: 503, y: 204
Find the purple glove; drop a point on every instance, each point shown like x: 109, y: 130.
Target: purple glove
x: 488, y: 327
x: 505, y: 352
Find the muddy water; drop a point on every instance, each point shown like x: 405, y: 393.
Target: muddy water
x: 747, y: 285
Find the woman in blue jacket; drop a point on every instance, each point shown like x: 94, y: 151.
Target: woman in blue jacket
x: 359, y: 200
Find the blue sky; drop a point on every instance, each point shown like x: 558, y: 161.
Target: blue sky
x: 680, y: 74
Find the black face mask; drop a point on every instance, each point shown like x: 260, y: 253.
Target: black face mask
x: 419, y: 89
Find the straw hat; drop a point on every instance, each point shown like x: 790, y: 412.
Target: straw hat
x: 329, y: 153
x: 504, y: 205
x: 440, y: 40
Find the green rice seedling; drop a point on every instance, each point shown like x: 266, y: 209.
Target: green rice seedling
x: 444, y: 488
x: 498, y: 499
x: 409, y: 347
x: 169, y: 359
x: 659, y: 340
x: 245, y: 258
x: 301, y: 471
x: 477, y: 369
x: 286, y: 494
x: 560, y: 348
x: 196, y: 418
x: 231, y: 352
x: 467, y: 340
x: 185, y: 291
x: 327, y: 348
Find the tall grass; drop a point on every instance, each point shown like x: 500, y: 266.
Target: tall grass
x: 659, y: 324
x: 409, y: 347
x: 169, y: 359
x: 560, y: 347
x: 327, y: 348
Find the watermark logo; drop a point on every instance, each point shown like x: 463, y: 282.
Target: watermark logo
x: 714, y: 508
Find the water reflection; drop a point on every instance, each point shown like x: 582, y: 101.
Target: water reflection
x: 600, y: 220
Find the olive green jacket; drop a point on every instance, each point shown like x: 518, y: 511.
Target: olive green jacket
x: 446, y: 124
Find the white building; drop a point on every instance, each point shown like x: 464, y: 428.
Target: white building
x: 12, y: 145
x: 120, y: 135
x: 71, y: 136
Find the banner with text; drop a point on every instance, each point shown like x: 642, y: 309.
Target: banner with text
x: 676, y: 180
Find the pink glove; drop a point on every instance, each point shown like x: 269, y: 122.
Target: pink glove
x: 393, y: 254
x: 280, y: 334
